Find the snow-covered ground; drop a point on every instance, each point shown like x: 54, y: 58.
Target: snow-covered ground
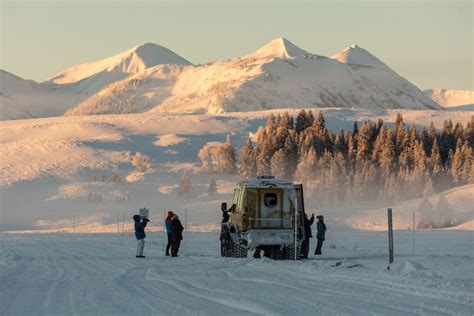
x: 84, y: 274
x: 55, y: 169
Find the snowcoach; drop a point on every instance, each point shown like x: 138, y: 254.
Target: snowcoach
x: 262, y: 218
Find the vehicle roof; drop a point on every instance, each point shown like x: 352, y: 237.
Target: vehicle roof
x: 267, y: 182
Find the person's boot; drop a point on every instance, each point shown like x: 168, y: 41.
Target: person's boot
x: 167, y: 254
x: 140, y: 256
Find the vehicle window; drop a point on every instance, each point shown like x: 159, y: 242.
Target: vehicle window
x: 270, y: 199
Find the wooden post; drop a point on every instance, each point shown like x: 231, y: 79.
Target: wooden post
x: 185, y: 232
x: 390, y: 237
x: 413, y: 233
x: 164, y: 228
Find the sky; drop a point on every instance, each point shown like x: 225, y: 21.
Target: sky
x: 428, y: 42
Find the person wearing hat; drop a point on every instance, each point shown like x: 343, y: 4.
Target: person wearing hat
x: 321, y: 227
x: 168, y: 231
x: 307, y: 235
x: 140, y: 224
x: 176, y: 235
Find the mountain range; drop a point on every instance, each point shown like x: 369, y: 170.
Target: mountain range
x: 150, y: 77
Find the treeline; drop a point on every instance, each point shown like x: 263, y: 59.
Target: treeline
x: 372, y: 162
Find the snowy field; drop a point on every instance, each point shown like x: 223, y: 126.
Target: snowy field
x: 58, y: 172
x: 84, y: 274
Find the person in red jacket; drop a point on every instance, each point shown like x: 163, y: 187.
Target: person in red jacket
x: 168, y: 231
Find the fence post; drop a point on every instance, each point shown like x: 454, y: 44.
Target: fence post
x: 185, y: 232
x: 413, y: 233
x: 390, y: 237
x: 123, y: 224
x: 164, y: 229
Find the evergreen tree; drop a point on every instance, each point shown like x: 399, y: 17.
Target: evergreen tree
x: 340, y: 144
x: 364, y: 144
x: 247, y: 165
x: 447, y: 141
x: 387, y: 156
x: 457, y: 163
x: 468, y: 134
x: 319, y: 123
x: 355, y: 129
x: 279, y: 165
x: 307, y: 167
x: 302, y: 122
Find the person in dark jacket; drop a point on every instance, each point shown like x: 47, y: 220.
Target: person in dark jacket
x: 140, y: 224
x: 321, y: 235
x: 307, y: 235
x: 168, y: 231
x: 176, y: 235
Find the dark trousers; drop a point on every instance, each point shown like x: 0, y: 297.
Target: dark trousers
x: 168, y: 246
x: 305, y: 248
x: 175, y: 246
x: 319, y: 246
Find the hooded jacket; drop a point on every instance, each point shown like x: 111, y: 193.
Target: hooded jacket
x: 321, y: 229
x: 140, y: 227
x: 176, y: 229
x: 168, y: 223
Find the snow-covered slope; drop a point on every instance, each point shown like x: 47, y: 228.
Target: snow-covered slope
x: 356, y: 55
x: 93, y: 76
x: 20, y: 98
x: 452, y: 99
x: 136, y: 93
x: 281, y: 75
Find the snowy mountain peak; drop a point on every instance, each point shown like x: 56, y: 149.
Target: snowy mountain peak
x: 130, y: 61
x: 356, y: 55
x: 279, y: 47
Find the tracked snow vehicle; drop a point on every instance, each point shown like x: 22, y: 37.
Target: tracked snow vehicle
x: 266, y: 215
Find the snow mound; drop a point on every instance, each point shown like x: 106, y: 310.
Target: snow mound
x: 355, y: 55
x: 170, y: 140
x: 412, y: 269
x: 459, y: 99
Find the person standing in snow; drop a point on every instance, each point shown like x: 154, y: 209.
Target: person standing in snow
x: 307, y: 235
x: 176, y: 235
x: 321, y: 235
x: 168, y: 231
x: 140, y: 224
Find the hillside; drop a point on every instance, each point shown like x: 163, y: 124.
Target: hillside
x: 136, y: 93
x: 452, y: 99
x: 91, y: 77
x: 278, y: 75
x: 20, y: 98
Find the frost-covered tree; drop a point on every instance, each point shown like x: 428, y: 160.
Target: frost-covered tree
x: 184, y: 187
x: 141, y: 162
x: 279, y: 165
x: 247, y: 165
x: 218, y: 157
x: 212, y: 188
